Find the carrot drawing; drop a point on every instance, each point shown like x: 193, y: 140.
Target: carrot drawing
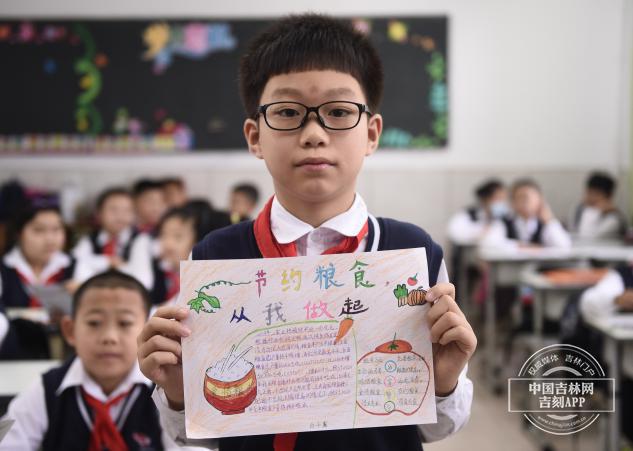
x: 343, y: 328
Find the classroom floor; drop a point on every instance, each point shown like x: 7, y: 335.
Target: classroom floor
x: 492, y: 427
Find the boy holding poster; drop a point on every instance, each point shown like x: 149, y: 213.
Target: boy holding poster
x: 302, y: 65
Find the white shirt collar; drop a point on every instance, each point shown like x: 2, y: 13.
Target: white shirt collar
x: 15, y: 259
x: 287, y: 228
x: 103, y: 237
x: 77, y: 376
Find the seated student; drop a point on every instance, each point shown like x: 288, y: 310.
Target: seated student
x: 531, y: 223
x: 111, y: 243
x: 467, y: 226
x: 35, y: 259
x: 149, y: 202
x: 311, y: 86
x: 612, y: 295
x: 99, y: 399
x: 244, y: 198
x: 178, y: 230
x: 598, y: 217
x: 175, y: 192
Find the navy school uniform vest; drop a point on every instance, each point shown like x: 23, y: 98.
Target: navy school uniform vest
x: 13, y: 291
x: 67, y: 427
x: 511, y: 231
x: 237, y: 242
x: 97, y: 248
x: 626, y: 273
x: 160, y: 288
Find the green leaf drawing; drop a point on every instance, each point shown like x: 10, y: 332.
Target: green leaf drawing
x: 212, y: 300
x: 196, y: 304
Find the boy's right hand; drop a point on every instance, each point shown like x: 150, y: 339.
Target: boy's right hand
x: 160, y: 353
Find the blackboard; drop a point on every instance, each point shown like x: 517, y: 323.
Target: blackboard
x: 130, y: 86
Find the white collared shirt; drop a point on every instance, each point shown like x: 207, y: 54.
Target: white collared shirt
x: 83, y: 250
x: 28, y: 409
x: 58, y: 261
x: 314, y: 241
x: 599, y: 301
x: 552, y: 235
x: 593, y: 224
x: 463, y: 230
x: 453, y: 410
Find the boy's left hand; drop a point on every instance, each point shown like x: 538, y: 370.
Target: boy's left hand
x: 454, y: 341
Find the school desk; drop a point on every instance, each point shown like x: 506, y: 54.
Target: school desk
x: 17, y: 375
x: 617, y: 331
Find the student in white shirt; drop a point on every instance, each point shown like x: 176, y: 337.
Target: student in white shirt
x: 99, y: 399
x: 468, y: 226
x: 313, y: 123
x: 597, y: 217
x: 36, y: 258
x: 111, y: 243
x: 613, y: 295
x: 531, y: 224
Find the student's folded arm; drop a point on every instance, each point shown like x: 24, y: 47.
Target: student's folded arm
x: 173, y: 424
x: 599, y: 300
x: 463, y: 231
x: 87, y: 258
x: 453, y: 411
x: 609, y: 227
x: 28, y: 410
x: 555, y: 235
x: 495, y: 237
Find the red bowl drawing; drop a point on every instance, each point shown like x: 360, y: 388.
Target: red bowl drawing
x: 231, y: 397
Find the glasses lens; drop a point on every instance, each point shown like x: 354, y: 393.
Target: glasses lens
x: 340, y: 115
x: 286, y: 115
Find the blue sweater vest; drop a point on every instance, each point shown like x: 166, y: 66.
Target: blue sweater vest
x: 237, y: 242
x: 67, y: 428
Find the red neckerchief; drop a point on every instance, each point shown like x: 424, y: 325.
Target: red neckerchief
x: 173, y: 283
x: 110, y: 248
x: 270, y: 248
x: 33, y: 301
x: 105, y: 434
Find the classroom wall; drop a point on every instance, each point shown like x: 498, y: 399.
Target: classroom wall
x: 537, y: 88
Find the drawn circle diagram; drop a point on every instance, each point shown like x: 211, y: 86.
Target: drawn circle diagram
x: 392, y: 379
x: 391, y: 366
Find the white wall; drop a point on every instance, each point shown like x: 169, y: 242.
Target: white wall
x: 537, y: 88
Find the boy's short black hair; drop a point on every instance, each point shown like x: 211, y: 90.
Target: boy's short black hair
x: 525, y: 183
x: 144, y: 185
x: 248, y: 190
x: 201, y: 214
x: 487, y: 189
x: 309, y: 42
x: 602, y: 182
x: 111, y: 192
x: 111, y: 278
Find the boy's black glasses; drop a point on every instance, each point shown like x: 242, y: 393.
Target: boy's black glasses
x: 337, y: 115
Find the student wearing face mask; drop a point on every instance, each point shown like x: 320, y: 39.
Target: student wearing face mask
x: 467, y: 226
x: 531, y: 224
x: 597, y: 217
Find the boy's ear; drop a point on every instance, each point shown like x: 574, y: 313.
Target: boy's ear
x: 251, y: 133
x: 374, y: 129
x: 67, y: 325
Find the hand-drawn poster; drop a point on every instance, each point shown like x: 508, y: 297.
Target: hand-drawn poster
x: 307, y: 343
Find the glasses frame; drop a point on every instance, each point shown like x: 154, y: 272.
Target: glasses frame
x: 362, y: 108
